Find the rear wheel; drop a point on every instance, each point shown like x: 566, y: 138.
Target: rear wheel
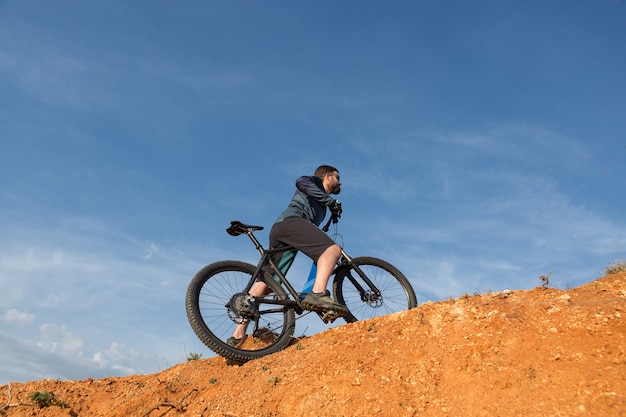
x: 396, y: 293
x: 214, y: 308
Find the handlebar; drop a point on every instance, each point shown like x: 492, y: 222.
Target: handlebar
x: 334, y: 218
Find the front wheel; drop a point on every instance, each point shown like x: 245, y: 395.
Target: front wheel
x: 212, y: 303
x: 395, y: 291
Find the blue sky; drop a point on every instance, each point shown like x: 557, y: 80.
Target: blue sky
x: 480, y: 145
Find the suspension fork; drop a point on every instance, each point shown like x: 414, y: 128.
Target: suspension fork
x: 347, y: 261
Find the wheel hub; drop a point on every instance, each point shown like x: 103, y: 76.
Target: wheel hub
x: 372, y: 299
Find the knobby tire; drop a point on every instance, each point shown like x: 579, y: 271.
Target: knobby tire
x: 210, y: 291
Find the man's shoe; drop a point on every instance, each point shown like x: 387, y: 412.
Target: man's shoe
x: 321, y: 301
x: 234, y: 342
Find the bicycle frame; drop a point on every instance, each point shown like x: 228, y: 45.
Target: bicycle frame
x: 240, y: 326
x: 266, y: 258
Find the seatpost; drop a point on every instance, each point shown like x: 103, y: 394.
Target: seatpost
x: 256, y: 243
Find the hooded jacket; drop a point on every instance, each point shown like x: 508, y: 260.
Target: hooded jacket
x: 309, y: 201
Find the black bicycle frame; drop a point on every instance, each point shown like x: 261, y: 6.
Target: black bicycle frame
x: 346, y: 262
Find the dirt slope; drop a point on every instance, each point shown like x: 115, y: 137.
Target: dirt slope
x: 540, y: 352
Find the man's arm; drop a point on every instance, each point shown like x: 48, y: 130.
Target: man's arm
x: 309, y: 186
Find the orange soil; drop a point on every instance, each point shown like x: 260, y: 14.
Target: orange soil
x: 540, y: 352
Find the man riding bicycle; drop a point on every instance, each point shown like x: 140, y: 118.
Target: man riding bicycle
x: 298, y: 226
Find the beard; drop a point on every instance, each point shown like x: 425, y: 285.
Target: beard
x: 336, y: 189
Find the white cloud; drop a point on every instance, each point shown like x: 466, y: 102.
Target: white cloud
x: 119, y: 358
x: 56, y: 338
x: 152, y: 249
x: 117, y: 352
x: 15, y: 316
x: 32, y: 259
x: 99, y: 359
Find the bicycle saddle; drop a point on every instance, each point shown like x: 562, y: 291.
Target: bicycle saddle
x: 236, y: 228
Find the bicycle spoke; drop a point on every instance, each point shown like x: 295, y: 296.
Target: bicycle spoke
x: 394, y: 291
x: 214, y: 319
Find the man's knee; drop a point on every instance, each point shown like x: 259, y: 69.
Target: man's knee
x: 333, y: 251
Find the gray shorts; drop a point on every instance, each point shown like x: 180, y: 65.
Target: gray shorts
x: 302, y: 235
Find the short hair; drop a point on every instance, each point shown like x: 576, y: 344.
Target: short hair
x: 323, y: 170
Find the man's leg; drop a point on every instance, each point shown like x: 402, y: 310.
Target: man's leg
x: 319, y: 300
x: 257, y: 290
x: 325, y: 265
x: 317, y: 245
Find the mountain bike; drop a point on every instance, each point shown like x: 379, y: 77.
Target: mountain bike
x: 218, y: 298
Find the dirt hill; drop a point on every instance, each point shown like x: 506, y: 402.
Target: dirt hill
x: 540, y: 352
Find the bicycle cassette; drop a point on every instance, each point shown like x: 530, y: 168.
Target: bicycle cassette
x: 243, y: 307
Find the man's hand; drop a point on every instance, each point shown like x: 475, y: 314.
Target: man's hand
x: 335, y: 209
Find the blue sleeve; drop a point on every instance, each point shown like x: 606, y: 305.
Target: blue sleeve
x: 313, y: 187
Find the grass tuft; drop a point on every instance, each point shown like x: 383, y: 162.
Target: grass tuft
x: 46, y: 399
x: 193, y: 356
x: 615, y: 267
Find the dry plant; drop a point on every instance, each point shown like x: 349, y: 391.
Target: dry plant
x: 615, y: 267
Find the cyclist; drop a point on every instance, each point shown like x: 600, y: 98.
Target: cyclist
x: 298, y: 226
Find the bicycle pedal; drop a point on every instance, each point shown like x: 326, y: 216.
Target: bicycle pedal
x: 329, y: 316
